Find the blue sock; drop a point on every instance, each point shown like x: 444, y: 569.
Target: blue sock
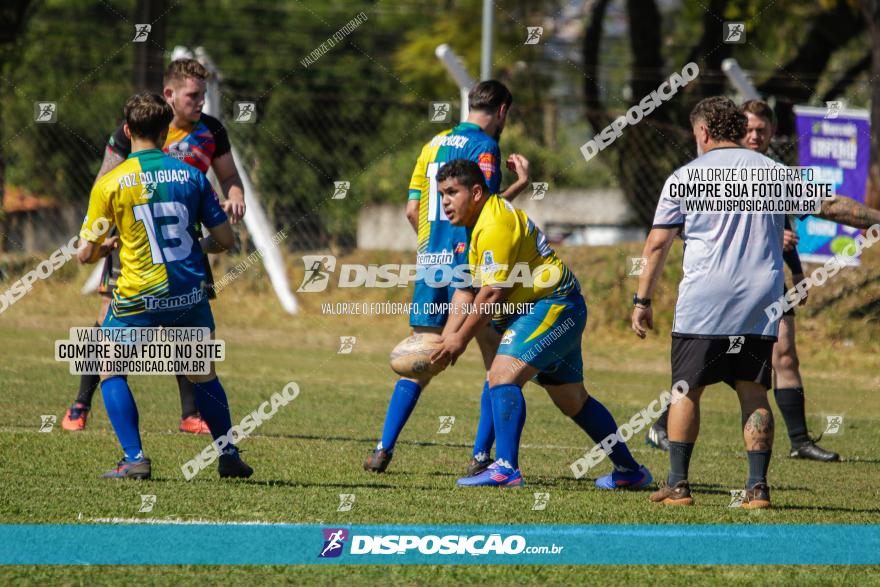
x: 214, y: 408
x: 598, y: 423
x: 123, y: 414
x: 509, y: 417
x: 486, y: 427
x: 403, y: 400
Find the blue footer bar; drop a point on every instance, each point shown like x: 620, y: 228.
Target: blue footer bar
x: 287, y: 544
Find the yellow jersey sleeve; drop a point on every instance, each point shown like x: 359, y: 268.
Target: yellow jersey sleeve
x: 418, y: 183
x: 508, y: 250
x: 100, y: 207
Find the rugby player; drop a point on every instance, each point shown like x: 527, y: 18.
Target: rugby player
x: 788, y: 389
x: 167, y: 263
x: 733, y: 270
x: 541, y: 341
x: 201, y: 141
x: 440, y: 244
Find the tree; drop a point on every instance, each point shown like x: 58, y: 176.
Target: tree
x: 871, y: 12
x: 646, y: 153
x: 13, y: 16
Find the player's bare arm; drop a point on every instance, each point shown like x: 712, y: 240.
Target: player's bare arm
x: 462, y: 299
x: 789, y: 240
x: 90, y: 252
x: 111, y: 160
x: 656, y: 250
x: 519, y: 165
x: 412, y: 214
x: 231, y: 186
x: 455, y: 343
x: 847, y: 211
x: 219, y: 240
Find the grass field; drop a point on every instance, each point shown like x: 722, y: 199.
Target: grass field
x: 312, y: 450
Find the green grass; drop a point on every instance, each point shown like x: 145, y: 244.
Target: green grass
x: 313, y: 449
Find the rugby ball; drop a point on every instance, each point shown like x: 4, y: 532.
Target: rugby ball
x: 412, y: 356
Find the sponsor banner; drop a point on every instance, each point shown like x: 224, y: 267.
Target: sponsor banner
x: 264, y: 544
x: 838, y: 147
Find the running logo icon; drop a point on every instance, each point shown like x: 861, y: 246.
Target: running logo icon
x: 147, y: 503
x: 141, y: 32
x: 346, y: 502
x: 334, y: 541
x: 637, y: 265
x: 734, y: 33
x: 340, y: 189
x: 440, y: 112
x: 45, y: 112
x: 539, y: 190
x: 736, y: 498
x: 833, y: 425
x: 318, y: 270
x: 541, y: 501
x: 833, y: 109
x: 47, y: 422
x: 346, y: 345
x: 533, y: 35
x: 736, y: 344
x: 148, y: 190
x: 446, y: 423
x: 245, y: 112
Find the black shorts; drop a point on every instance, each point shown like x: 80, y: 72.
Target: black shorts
x: 112, y: 266
x: 704, y: 361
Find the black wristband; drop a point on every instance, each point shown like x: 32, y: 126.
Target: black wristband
x: 637, y: 301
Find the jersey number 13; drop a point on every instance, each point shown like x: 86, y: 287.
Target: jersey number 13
x: 146, y: 213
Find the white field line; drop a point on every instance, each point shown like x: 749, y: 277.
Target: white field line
x: 175, y: 522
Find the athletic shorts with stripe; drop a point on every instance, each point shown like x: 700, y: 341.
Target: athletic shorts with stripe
x: 548, y: 338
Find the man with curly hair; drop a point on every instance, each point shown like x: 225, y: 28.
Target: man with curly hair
x: 789, y: 390
x: 733, y: 271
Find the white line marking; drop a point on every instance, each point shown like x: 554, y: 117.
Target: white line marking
x: 176, y: 521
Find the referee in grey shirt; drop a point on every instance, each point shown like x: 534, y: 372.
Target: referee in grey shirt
x: 733, y: 270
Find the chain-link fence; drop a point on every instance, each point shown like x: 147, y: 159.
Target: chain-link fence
x: 319, y: 159
x: 315, y: 162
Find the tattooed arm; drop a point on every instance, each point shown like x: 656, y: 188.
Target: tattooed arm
x: 111, y: 160
x: 847, y: 211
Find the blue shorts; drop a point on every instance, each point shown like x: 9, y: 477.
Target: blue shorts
x: 430, y: 305
x: 549, y: 338
x: 197, y: 316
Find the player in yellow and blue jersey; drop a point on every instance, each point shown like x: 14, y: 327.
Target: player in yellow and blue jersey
x: 442, y: 245
x: 201, y: 141
x: 524, y: 289
x: 155, y: 202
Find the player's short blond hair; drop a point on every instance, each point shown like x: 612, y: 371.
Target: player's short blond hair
x: 180, y: 69
x: 761, y: 109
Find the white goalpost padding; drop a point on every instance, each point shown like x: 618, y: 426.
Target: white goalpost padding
x: 255, y: 218
x: 459, y: 74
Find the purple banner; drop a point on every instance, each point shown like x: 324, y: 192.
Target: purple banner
x: 837, y: 142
